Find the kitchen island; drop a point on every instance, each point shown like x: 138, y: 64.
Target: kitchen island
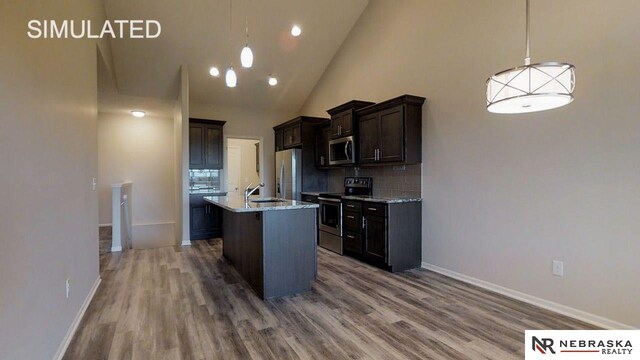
x: 272, y: 244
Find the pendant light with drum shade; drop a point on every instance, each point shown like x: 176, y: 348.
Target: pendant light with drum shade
x: 230, y: 77
x: 532, y: 87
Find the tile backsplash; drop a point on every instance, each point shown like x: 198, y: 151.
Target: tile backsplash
x: 388, y: 181
x: 205, y: 179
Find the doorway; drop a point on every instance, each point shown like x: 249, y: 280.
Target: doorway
x: 243, y: 164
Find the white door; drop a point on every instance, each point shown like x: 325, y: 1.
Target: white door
x: 234, y: 163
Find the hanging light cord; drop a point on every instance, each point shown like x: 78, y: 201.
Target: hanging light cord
x: 527, y: 57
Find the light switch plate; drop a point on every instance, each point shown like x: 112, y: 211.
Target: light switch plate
x: 558, y: 268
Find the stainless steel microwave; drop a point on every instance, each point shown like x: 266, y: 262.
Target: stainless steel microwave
x: 342, y: 151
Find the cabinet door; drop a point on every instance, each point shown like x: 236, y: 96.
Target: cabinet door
x: 322, y: 147
x: 288, y: 137
x: 296, y: 134
x: 213, y: 147
x: 215, y: 221
x: 353, y: 243
x: 199, y: 220
x: 375, y: 239
x: 368, y: 142
x: 279, y: 140
x: 347, y: 123
x: 292, y: 136
x: 391, y: 146
x: 336, y: 123
x: 196, y: 146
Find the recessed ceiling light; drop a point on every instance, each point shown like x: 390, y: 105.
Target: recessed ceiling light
x: 296, y: 31
x: 214, y: 71
x: 273, y: 81
x: 138, y: 113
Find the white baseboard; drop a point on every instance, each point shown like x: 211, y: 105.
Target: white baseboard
x: 186, y: 242
x: 74, y: 325
x: 105, y: 225
x: 116, y: 248
x: 533, y: 300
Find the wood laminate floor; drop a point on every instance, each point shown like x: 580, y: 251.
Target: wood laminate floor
x: 189, y: 303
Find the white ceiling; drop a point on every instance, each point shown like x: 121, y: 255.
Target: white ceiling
x: 196, y: 33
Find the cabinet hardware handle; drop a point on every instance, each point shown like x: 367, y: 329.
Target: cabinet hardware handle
x: 350, y: 217
x: 351, y: 206
x: 350, y: 236
x: 372, y: 209
x: 364, y: 222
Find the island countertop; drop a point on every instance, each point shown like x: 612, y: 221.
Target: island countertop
x: 236, y: 203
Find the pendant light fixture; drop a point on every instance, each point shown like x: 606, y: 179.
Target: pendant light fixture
x: 230, y: 77
x: 532, y: 87
x: 246, y: 56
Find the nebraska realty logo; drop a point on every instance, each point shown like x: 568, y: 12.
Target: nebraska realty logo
x: 581, y: 344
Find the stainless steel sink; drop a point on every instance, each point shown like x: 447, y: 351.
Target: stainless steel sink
x: 267, y: 200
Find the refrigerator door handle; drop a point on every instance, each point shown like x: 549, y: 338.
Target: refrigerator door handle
x: 281, y: 184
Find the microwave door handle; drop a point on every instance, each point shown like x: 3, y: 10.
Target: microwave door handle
x: 346, y: 150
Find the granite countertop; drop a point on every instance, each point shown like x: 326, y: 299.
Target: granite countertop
x: 207, y: 192
x: 312, y: 193
x: 236, y: 203
x: 380, y: 199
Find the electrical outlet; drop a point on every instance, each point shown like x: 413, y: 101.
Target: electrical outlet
x: 558, y: 268
x: 94, y: 183
x: 67, y: 286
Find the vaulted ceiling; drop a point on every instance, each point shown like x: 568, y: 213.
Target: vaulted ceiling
x: 196, y: 33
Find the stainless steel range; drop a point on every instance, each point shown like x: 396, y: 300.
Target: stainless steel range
x: 330, y: 212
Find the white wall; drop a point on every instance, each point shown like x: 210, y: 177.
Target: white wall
x: 140, y: 150
x: 48, y: 157
x: 505, y: 195
x: 181, y: 126
x: 247, y: 123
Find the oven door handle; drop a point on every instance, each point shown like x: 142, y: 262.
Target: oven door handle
x: 329, y: 200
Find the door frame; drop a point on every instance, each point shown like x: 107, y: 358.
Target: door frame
x: 226, y: 137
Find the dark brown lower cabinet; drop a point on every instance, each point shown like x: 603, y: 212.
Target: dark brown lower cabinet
x: 375, y: 239
x: 384, y: 235
x: 205, y: 219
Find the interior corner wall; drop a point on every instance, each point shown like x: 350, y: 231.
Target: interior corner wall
x: 507, y: 194
x: 185, y: 238
x: 48, y: 155
x: 248, y: 123
x: 177, y: 149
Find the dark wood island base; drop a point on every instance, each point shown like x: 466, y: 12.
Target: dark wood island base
x: 274, y: 251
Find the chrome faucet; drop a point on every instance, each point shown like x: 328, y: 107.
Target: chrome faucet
x: 248, y: 192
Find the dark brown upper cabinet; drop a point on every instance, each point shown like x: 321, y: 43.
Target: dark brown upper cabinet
x: 390, y: 131
x: 323, y: 135
x: 279, y: 139
x: 343, y: 118
x: 205, y: 144
x: 301, y: 133
x: 292, y: 136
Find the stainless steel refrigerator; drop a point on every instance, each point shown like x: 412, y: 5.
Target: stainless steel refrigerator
x: 289, y: 174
